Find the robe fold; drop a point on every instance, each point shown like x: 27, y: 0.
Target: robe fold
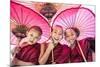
x: 60, y: 53
x: 75, y: 54
x: 29, y: 53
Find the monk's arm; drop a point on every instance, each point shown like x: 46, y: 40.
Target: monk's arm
x: 45, y: 56
x: 42, y: 50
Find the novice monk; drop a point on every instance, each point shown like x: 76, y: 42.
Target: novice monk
x: 55, y: 52
x: 30, y: 50
x: 79, y: 50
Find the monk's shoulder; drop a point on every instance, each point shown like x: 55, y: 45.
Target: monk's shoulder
x: 84, y: 43
x: 65, y: 47
x: 24, y: 44
x: 84, y: 40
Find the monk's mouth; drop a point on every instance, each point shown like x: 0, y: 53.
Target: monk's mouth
x: 31, y: 41
x: 71, y: 41
x: 56, y: 39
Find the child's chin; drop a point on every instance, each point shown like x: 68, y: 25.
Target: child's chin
x: 56, y: 41
x: 32, y: 42
x: 71, y: 42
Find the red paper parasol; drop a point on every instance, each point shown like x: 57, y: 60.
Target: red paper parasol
x: 80, y: 18
x: 24, y: 18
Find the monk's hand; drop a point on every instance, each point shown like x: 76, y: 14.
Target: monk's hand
x: 51, y: 46
x: 53, y: 62
x: 16, y: 50
x: 12, y: 52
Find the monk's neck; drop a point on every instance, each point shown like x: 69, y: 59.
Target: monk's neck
x: 56, y: 44
x: 31, y: 43
x: 73, y: 45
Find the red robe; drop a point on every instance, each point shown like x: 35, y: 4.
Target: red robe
x: 61, y: 54
x: 75, y: 54
x: 29, y: 53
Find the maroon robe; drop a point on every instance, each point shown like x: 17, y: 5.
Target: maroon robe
x: 29, y: 53
x: 75, y: 54
x: 61, y: 54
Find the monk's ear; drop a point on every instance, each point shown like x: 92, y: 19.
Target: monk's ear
x: 39, y: 37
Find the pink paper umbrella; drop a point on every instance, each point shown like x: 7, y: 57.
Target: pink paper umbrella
x: 80, y: 18
x: 25, y: 18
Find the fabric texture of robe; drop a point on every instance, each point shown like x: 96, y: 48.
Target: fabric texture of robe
x: 61, y: 54
x: 29, y: 53
x: 75, y: 54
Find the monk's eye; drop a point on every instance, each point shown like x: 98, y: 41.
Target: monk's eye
x: 67, y: 36
x: 72, y: 34
x: 55, y: 32
x: 31, y: 35
x: 36, y: 37
x: 60, y: 34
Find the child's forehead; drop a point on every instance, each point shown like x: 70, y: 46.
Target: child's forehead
x: 57, y: 28
x: 70, y: 31
x: 33, y: 30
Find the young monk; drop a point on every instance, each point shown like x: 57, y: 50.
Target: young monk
x: 29, y: 52
x: 55, y: 52
x: 79, y: 50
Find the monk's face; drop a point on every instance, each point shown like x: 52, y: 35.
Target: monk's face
x: 33, y: 36
x: 70, y: 36
x: 57, y: 34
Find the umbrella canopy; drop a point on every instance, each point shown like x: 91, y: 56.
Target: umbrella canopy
x: 80, y: 18
x: 23, y: 18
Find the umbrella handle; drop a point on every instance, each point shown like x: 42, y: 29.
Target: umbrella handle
x: 17, y: 45
x: 52, y: 57
x: 82, y: 52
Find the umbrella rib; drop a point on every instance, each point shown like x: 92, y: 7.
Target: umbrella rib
x: 26, y: 19
x: 63, y: 21
x: 81, y: 17
x: 73, y: 19
x: 78, y: 17
x: 87, y: 20
x: 67, y: 21
x: 88, y: 27
x: 16, y: 14
x: 22, y: 15
x: 29, y: 21
x: 14, y: 17
x: 60, y: 23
